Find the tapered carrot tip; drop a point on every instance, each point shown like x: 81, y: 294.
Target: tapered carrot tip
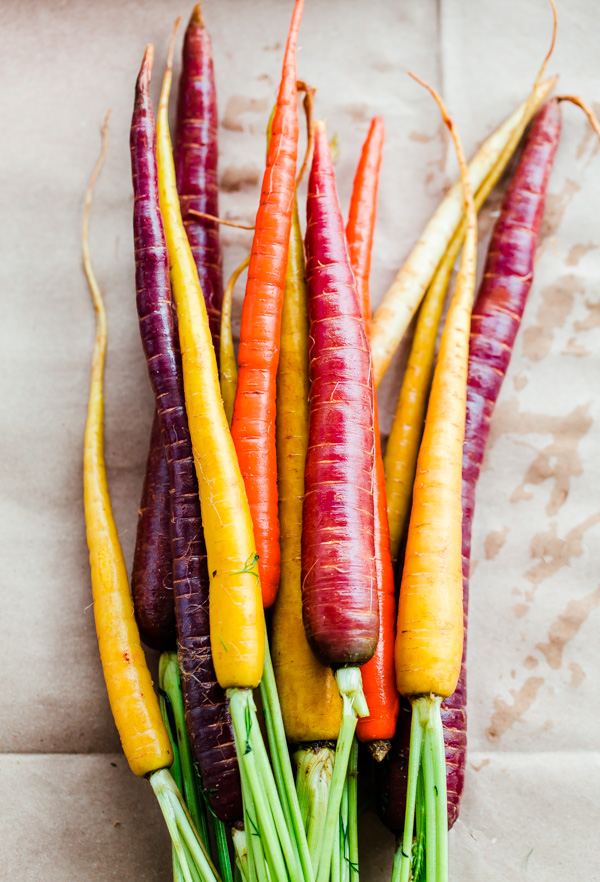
x: 145, y: 74
x: 196, y: 17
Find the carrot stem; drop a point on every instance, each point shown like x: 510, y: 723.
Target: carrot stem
x: 279, y: 850
x: 170, y: 683
x: 403, y: 865
x: 222, y: 847
x: 438, y: 752
x: 350, y: 685
x: 240, y: 847
x: 282, y: 767
x: 353, y: 811
x: 314, y: 768
x: 183, y: 834
x: 430, y: 809
x: 343, y: 825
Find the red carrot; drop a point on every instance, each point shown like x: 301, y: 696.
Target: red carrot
x: 196, y: 160
x: 253, y: 425
x: 378, y: 674
x: 363, y: 209
x: 338, y: 573
x: 152, y: 571
x: 496, y: 317
x: 339, y: 596
x: 207, y: 714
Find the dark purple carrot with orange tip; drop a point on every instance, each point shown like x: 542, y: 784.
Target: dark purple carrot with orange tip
x: 207, y: 714
x: 339, y: 597
x: 496, y: 317
x: 152, y: 572
x: 196, y: 164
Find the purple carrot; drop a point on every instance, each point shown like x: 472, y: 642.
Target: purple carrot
x: 195, y: 156
x: 339, y: 594
x: 152, y: 572
x: 496, y: 317
x: 207, y: 712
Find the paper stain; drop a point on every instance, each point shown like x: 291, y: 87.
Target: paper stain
x: 554, y: 553
x: 358, y: 113
x: 235, y: 177
x: 557, y: 303
x: 520, y: 609
x: 577, y: 674
x: 593, y: 318
x: 577, y: 252
x: 556, y: 205
x: 505, y: 715
x: 559, y: 460
x: 493, y: 542
x: 575, y: 348
x: 531, y: 662
x: 520, y: 381
x: 566, y: 627
x: 484, y: 762
x: 237, y: 105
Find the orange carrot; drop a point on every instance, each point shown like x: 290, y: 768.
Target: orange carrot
x: 361, y: 218
x: 253, y: 425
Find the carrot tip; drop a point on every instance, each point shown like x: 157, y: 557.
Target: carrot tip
x: 171, y: 51
x: 196, y: 16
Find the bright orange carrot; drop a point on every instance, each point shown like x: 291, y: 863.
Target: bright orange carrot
x: 253, y: 425
x: 363, y: 209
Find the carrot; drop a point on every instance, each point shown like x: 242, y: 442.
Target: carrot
x: 208, y: 719
x: 429, y: 638
x: 227, y: 362
x: 340, y: 607
x: 361, y: 218
x: 401, y: 301
x: 132, y: 699
x: 152, y: 571
x: 196, y: 164
x: 237, y: 626
x: 253, y: 425
x: 378, y: 675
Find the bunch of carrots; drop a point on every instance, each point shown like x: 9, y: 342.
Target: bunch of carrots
x: 278, y: 550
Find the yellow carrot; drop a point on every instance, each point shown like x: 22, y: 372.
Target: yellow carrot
x: 236, y: 613
x: 132, y: 699
x: 227, y: 362
x: 309, y: 696
x: 401, y: 301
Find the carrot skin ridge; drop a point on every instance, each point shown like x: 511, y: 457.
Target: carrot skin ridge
x: 363, y: 210
x: 253, y: 424
x: 339, y: 595
x: 196, y: 165
x: 310, y: 702
x: 133, y: 702
x: 496, y: 317
x: 394, y: 313
x: 207, y: 714
x: 152, y: 570
x: 497, y: 314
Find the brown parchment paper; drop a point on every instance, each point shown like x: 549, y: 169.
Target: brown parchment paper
x: 70, y: 808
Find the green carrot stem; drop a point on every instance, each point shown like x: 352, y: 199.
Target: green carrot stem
x: 222, y: 846
x: 418, y: 860
x: 335, y: 874
x: 177, y: 874
x: 314, y: 769
x: 282, y: 767
x: 397, y: 859
x: 256, y: 866
x: 350, y: 685
x: 252, y: 754
x: 430, y: 809
x: 344, y: 851
x: 186, y: 841
x: 170, y: 682
x: 240, y: 847
x: 441, y: 795
x: 353, y: 811
x: 403, y: 865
